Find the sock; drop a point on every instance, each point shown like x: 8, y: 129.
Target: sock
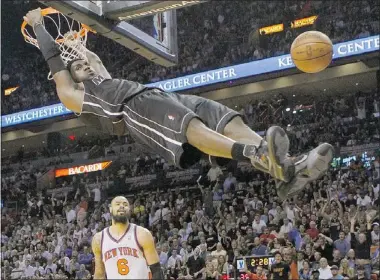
x: 241, y: 152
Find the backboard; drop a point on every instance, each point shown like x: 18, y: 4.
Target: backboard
x: 109, y: 19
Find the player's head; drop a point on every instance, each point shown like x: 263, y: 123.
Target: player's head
x: 278, y: 257
x: 80, y: 70
x: 120, y: 210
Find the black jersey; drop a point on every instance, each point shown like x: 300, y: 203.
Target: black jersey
x: 104, y: 101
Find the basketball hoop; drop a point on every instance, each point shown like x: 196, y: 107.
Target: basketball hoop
x: 70, y: 35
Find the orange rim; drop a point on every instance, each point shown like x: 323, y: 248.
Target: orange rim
x: 50, y: 11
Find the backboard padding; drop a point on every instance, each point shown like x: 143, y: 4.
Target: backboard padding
x: 104, y: 17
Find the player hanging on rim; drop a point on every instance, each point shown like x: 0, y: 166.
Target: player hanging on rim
x: 125, y: 250
x: 178, y: 127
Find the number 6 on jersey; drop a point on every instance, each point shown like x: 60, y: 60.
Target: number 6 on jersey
x: 122, y: 267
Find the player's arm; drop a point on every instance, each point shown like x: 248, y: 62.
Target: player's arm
x: 69, y: 92
x: 146, y: 241
x: 97, y: 250
x: 97, y: 64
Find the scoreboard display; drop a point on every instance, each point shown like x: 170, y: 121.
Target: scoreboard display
x: 252, y: 262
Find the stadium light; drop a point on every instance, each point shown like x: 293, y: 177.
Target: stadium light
x: 287, y: 109
x: 294, y: 112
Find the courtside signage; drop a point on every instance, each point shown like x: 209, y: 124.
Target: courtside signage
x: 283, y: 62
x: 34, y: 115
x: 82, y: 169
x: 263, y: 66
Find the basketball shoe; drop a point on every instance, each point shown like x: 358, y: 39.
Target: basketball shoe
x: 308, y: 167
x: 271, y: 156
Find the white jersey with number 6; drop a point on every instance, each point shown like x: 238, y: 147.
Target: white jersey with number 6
x: 124, y: 258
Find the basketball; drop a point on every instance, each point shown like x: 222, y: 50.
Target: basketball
x: 312, y: 51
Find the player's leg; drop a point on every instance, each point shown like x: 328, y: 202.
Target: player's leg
x: 276, y: 147
x: 217, y: 145
x: 268, y: 157
x: 213, y: 143
x: 308, y: 167
x: 160, y: 121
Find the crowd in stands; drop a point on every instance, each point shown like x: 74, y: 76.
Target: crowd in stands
x: 211, y: 35
x: 203, y: 227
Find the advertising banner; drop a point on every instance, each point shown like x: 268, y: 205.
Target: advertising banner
x: 170, y: 178
x: 272, y: 29
x: 86, y: 168
x: 358, y: 149
x: 182, y: 177
x: 8, y: 91
x: 279, y: 63
x: 34, y: 115
x: 303, y: 22
x: 59, y: 192
x: 141, y: 181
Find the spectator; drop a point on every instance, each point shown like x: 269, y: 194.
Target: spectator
x: 214, y: 173
x: 258, y: 224
x: 286, y: 227
x: 163, y: 256
x: 196, y: 265
x: 174, y: 260
x: 335, y: 273
x: 222, y: 267
x: 17, y: 272
x: 375, y: 234
x: 361, y: 273
x: 305, y: 271
x: 259, y: 248
x: 86, y: 257
x: 210, y: 272
x: 342, y: 245
x: 362, y: 245
x: 70, y: 214
x: 218, y: 252
x: 82, y: 273
x: 279, y: 269
x: 324, y: 269
x: 313, y: 232
x: 29, y: 269
x: 229, y: 182
x: 345, y: 270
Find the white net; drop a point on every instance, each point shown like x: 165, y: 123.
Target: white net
x: 70, y: 35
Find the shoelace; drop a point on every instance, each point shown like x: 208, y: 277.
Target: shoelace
x: 261, y: 161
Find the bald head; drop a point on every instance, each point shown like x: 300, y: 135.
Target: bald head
x: 119, y: 199
x: 120, y: 210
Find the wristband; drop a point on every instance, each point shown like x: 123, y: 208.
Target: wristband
x: 56, y: 64
x: 156, y: 271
